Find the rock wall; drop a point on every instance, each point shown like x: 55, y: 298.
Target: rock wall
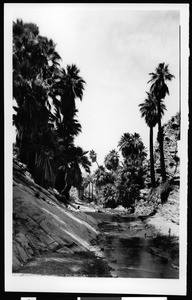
x: 171, y: 132
x: 42, y: 224
x: 164, y: 214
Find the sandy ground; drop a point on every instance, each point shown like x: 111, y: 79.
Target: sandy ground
x: 163, y: 226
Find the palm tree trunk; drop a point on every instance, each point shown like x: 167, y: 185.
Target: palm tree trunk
x: 161, y: 150
x: 92, y: 192
x: 89, y: 191
x: 152, y: 158
x: 22, y: 148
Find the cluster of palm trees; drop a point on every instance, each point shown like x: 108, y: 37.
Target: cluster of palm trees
x: 46, y: 114
x: 118, y: 182
x: 152, y: 110
x: 130, y: 178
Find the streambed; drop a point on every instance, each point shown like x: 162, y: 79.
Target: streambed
x: 129, y: 248
x: 132, y: 249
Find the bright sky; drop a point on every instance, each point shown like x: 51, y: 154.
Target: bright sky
x: 115, y: 49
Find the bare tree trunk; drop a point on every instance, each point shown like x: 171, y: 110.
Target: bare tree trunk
x: 89, y: 190
x: 161, y: 150
x: 152, y: 158
x: 92, y: 192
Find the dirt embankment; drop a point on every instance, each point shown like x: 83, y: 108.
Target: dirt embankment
x: 164, y: 217
x: 43, y: 225
x: 165, y: 210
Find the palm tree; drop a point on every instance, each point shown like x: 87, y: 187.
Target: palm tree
x: 102, y: 177
x: 44, y: 169
x: 132, y: 146
x: 93, y: 157
x: 69, y: 172
x: 68, y: 87
x: 159, y: 90
x: 33, y: 59
x: 87, y: 182
x: 149, y: 112
x: 67, y: 129
x: 134, y: 154
x: 130, y: 175
x: 112, y: 160
x: 124, y: 144
x: 38, y: 79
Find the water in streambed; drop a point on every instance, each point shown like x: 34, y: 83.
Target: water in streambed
x: 132, y: 250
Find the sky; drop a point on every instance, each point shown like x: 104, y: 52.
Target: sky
x: 115, y: 48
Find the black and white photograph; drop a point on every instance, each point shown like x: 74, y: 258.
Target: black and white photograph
x: 96, y: 124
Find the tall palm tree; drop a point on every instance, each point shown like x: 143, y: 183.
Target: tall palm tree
x: 68, y: 87
x: 67, y: 129
x: 93, y: 157
x: 159, y: 89
x: 38, y: 79
x: 149, y: 112
x: 33, y: 58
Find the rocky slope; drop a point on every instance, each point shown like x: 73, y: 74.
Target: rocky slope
x: 164, y: 211
x: 42, y: 225
x: 171, y: 131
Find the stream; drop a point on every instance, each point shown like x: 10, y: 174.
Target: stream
x: 129, y: 248
x: 134, y: 250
